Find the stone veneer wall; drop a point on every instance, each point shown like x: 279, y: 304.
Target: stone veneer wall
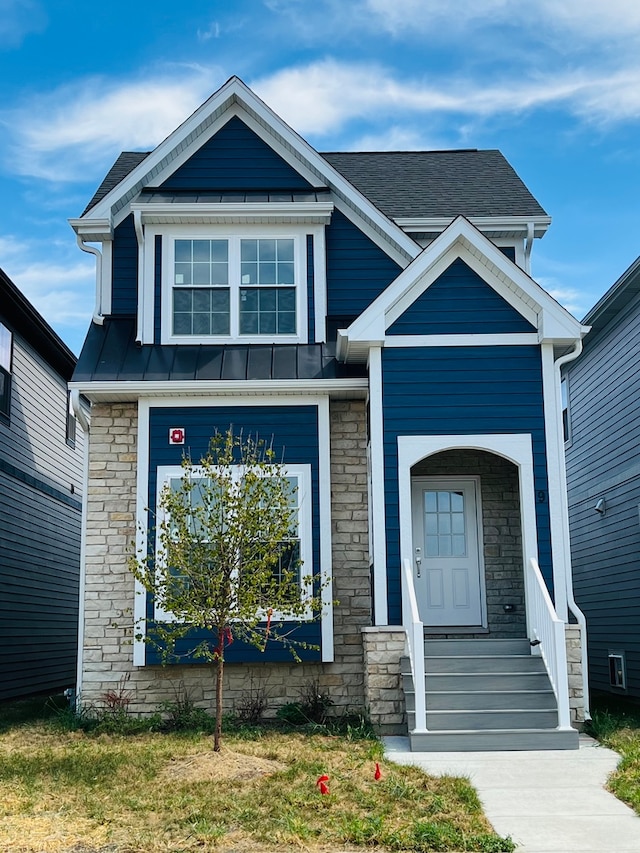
x: 108, y: 624
x: 574, y: 667
x: 384, y: 696
x: 502, y: 533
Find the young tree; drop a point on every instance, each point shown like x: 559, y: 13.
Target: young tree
x: 227, y: 556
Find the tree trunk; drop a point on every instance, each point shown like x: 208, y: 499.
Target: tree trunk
x: 218, y: 731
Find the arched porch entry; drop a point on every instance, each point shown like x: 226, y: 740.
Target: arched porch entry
x: 467, y: 519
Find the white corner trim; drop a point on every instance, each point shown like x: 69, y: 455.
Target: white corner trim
x: 324, y: 510
x: 377, y: 533
x: 320, y: 284
x: 557, y: 486
x: 517, y: 448
x: 142, y: 522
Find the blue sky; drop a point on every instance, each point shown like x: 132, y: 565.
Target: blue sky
x: 555, y: 85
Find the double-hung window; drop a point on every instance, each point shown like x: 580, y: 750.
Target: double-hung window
x: 234, y: 287
x: 6, y: 346
x: 296, y: 553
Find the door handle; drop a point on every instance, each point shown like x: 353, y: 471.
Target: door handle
x: 418, y: 562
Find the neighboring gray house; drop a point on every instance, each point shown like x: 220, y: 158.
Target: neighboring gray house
x: 602, y: 431
x: 40, y: 503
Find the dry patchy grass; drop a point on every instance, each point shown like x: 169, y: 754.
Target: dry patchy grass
x: 618, y: 727
x: 160, y: 793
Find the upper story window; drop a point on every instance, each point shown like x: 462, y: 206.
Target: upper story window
x: 566, y: 418
x: 6, y: 347
x: 234, y: 287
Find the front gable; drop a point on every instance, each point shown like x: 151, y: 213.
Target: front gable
x: 460, y: 302
x: 235, y: 158
x: 422, y: 308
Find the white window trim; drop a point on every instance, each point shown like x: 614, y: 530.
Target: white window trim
x: 234, y: 234
x: 305, y: 529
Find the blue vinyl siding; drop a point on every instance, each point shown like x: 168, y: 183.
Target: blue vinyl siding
x: 459, y: 302
x: 357, y: 270
x: 124, y: 294
x: 294, y: 430
x: 235, y: 159
x: 461, y: 390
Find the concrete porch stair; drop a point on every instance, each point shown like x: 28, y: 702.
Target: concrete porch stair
x: 485, y: 694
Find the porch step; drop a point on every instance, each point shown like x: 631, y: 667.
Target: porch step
x: 485, y: 694
x: 500, y: 740
x: 474, y: 647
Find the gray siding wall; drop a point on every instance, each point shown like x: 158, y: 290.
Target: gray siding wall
x: 40, y: 503
x: 603, y: 460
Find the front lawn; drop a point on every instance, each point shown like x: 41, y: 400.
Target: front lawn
x: 617, y: 726
x: 158, y: 792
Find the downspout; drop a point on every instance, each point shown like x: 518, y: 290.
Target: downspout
x: 137, y: 224
x: 84, y: 422
x: 571, y: 602
x: 528, y: 246
x: 98, y: 316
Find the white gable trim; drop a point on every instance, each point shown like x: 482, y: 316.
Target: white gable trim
x: 461, y: 240
x: 235, y: 98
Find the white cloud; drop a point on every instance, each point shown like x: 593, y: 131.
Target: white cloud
x: 590, y: 19
x: 61, y: 135
x: 62, y: 290
x: 322, y: 97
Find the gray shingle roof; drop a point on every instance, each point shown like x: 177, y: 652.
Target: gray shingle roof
x: 437, y: 183
x: 409, y: 183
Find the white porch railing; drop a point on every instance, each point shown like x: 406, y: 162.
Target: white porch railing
x: 415, y: 645
x: 546, y: 630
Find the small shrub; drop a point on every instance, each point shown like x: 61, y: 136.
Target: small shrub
x: 182, y: 715
x: 312, y: 707
x: 250, y: 708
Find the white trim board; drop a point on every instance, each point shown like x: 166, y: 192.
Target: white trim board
x: 517, y: 448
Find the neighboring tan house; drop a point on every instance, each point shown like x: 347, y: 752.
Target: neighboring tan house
x: 373, y: 313
x: 41, y: 456
x: 601, y: 391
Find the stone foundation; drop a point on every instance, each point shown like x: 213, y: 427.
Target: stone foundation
x: 109, y: 588
x: 574, y: 666
x: 384, y: 698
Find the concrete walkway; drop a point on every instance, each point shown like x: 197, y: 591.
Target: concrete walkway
x: 548, y: 802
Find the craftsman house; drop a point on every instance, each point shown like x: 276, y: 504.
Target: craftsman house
x: 601, y: 392
x: 373, y: 315
x: 41, y: 458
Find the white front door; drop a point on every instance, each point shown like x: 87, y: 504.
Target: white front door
x: 446, y: 551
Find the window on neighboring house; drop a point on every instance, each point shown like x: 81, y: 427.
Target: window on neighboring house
x: 6, y: 347
x: 71, y: 422
x: 297, y: 553
x: 234, y: 287
x: 566, y: 422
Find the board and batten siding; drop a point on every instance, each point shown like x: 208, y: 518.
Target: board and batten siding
x: 292, y: 431
x: 40, y: 515
x: 456, y: 391
x: 603, y: 460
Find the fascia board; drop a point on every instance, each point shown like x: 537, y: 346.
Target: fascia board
x: 134, y: 389
x: 93, y: 230
x: 291, y: 212
x: 235, y: 95
x: 516, y: 224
